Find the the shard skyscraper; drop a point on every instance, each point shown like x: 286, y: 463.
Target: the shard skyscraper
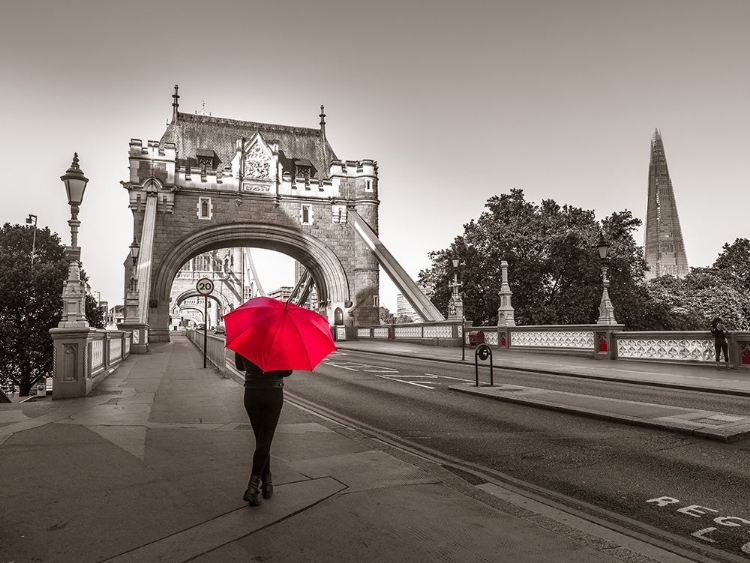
x: 665, y: 249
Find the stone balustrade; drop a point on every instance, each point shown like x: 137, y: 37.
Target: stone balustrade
x: 594, y: 340
x: 216, y: 353
x: 436, y: 334
x: 84, y: 357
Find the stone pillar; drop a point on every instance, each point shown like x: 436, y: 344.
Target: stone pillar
x: 606, y: 310
x: 71, y: 362
x: 505, y: 313
x: 74, y: 293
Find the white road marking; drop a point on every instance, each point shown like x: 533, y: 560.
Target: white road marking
x: 403, y: 381
x: 448, y: 377
x: 339, y: 366
x: 406, y: 375
x: 383, y: 372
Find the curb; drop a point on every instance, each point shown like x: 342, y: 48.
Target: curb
x: 687, y: 429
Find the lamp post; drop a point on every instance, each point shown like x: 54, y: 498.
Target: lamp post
x: 31, y: 219
x: 74, y: 291
x: 606, y: 310
x: 456, y: 304
x: 135, y: 249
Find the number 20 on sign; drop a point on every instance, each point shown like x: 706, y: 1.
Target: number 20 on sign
x: 205, y: 286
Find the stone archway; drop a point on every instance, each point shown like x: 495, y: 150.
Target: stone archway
x: 321, y: 261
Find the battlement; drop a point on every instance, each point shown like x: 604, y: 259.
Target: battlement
x: 354, y: 168
x: 152, y: 149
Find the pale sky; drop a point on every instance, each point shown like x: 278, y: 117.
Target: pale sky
x: 457, y: 101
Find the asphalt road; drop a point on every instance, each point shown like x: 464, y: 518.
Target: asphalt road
x: 702, y: 487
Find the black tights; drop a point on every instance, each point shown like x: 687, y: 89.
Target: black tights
x: 263, y: 406
x: 722, y: 347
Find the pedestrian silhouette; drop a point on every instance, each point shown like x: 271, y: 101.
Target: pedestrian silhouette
x: 264, y: 398
x: 720, y: 334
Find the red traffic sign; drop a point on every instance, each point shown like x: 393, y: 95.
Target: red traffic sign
x: 205, y: 286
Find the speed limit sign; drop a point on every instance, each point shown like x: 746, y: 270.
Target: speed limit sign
x: 205, y: 286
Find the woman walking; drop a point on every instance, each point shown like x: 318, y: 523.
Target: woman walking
x: 720, y: 334
x: 264, y: 397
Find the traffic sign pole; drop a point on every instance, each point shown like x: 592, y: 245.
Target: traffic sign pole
x: 205, y: 287
x: 205, y: 329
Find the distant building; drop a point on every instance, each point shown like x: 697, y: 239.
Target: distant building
x: 115, y: 316
x: 404, y: 309
x: 282, y: 293
x: 665, y: 249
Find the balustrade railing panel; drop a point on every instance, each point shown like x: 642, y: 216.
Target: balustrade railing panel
x: 437, y: 331
x: 97, y: 356
x: 577, y: 339
x: 408, y: 332
x: 665, y: 346
x: 362, y: 332
x: 115, y: 350
x: 381, y: 332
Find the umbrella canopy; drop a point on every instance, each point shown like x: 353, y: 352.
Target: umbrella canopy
x: 275, y: 335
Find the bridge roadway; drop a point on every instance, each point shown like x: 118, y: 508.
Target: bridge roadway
x: 692, y: 419
x: 152, y: 466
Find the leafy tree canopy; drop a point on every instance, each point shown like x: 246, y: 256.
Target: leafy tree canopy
x: 32, y: 302
x: 554, y: 267
x: 706, y: 293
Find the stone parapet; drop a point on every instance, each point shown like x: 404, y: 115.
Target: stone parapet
x: 84, y: 357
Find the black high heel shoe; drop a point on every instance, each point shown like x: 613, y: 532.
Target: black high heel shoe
x: 252, y: 494
x: 267, y: 486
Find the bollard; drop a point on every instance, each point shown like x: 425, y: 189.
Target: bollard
x: 483, y: 352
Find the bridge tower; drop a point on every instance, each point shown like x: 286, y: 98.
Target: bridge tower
x: 213, y: 183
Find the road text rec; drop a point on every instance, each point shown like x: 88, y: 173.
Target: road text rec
x: 697, y: 511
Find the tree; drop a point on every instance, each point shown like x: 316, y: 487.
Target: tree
x: 386, y: 317
x: 94, y: 314
x: 31, y: 304
x: 555, y: 271
x: 704, y: 294
x: 734, y: 262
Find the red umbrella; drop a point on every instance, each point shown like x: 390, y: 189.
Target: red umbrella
x: 275, y: 335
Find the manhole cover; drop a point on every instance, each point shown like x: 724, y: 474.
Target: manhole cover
x: 96, y: 392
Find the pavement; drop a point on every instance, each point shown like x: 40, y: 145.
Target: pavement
x: 153, y: 464
x: 697, y: 422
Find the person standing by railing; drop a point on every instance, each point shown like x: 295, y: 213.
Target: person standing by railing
x: 720, y: 334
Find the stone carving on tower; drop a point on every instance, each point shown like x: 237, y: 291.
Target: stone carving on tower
x: 665, y: 249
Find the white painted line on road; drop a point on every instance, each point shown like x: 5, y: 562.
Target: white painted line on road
x: 390, y: 378
x: 448, y: 377
x: 339, y: 366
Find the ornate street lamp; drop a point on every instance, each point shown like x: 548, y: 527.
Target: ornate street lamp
x: 606, y: 310
x: 135, y: 250
x: 456, y: 304
x: 74, y: 291
x: 31, y: 220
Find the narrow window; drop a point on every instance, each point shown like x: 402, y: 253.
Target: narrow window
x: 375, y: 301
x: 205, y: 209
